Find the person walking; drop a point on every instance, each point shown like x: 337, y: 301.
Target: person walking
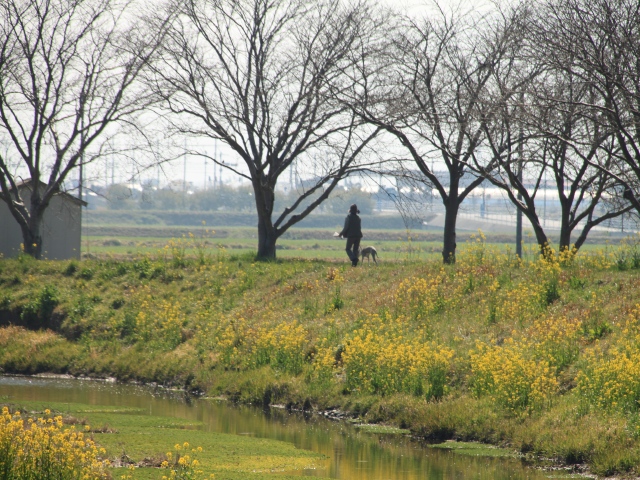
x: 352, y: 231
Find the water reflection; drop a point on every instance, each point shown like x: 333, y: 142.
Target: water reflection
x: 350, y: 454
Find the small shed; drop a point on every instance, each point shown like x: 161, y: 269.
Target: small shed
x: 61, y: 226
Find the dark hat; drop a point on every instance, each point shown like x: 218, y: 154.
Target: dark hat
x: 354, y: 209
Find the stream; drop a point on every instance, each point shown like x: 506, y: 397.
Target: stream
x: 351, y: 454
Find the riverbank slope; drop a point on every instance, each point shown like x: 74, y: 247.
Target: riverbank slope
x: 540, y: 356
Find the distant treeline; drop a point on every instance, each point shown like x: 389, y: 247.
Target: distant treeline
x: 228, y: 199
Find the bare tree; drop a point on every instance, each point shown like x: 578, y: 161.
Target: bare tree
x: 561, y: 146
x: 427, y: 96
x: 262, y: 77
x: 67, y: 71
x: 550, y: 128
x: 603, y: 39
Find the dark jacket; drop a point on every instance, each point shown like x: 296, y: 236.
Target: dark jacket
x: 351, y: 227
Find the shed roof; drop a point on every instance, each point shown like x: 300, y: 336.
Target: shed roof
x: 65, y: 195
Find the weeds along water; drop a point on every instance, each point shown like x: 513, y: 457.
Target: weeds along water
x: 39, y: 444
x: 539, y: 354
x: 40, y: 447
x: 142, y: 432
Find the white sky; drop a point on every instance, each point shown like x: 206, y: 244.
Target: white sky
x: 198, y: 171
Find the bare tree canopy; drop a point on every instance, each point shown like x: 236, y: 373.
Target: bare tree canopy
x: 67, y: 71
x: 599, y: 41
x: 560, y: 135
x: 428, y: 93
x: 262, y: 77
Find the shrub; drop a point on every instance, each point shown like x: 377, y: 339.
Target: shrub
x: 553, y: 339
x: 419, y: 296
x: 86, y: 273
x: 71, y: 268
x: 551, y: 290
x: 513, y: 380
x: 610, y: 380
x: 595, y: 325
x: 164, y: 324
x: 43, y: 448
x: 38, y: 311
x: 181, y: 464
x: 281, y: 347
x: 383, y: 362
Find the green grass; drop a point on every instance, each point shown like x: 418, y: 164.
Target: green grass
x: 475, y: 449
x: 241, y: 241
x: 140, y: 439
x: 382, y: 429
x: 308, y: 243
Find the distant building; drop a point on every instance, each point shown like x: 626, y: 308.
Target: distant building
x: 61, y: 226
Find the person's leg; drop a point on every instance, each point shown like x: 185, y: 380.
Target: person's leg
x: 350, y: 242
x: 356, y: 250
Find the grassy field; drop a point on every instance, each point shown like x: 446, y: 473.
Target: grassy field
x: 394, y: 245
x: 300, y: 243
x: 303, y: 248
x: 540, y: 355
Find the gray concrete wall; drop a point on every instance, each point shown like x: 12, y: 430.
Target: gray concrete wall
x: 60, y: 230
x: 10, y: 233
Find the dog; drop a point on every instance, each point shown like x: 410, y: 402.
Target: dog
x: 366, y: 252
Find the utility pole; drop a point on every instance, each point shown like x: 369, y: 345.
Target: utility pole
x: 220, y: 171
x: 519, y: 211
x: 184, y: 176
x: 81, y: 159
x: 81, y: 173
x: 379, y: 200
x: 215, y: 158
x: 519, y: 216
x: 158, y: 167
x: 544, y: 204
x: 291, y: 177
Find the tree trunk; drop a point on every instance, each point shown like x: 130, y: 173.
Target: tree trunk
x: 267, y: 233
x: 32, y: 228
x: 450, y: 220
x: 32, y: 237
x: 581, y: 238
x: 565, y: 229
x: 541, y: 237
x: 565, y: 238
x: 267, y: 236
